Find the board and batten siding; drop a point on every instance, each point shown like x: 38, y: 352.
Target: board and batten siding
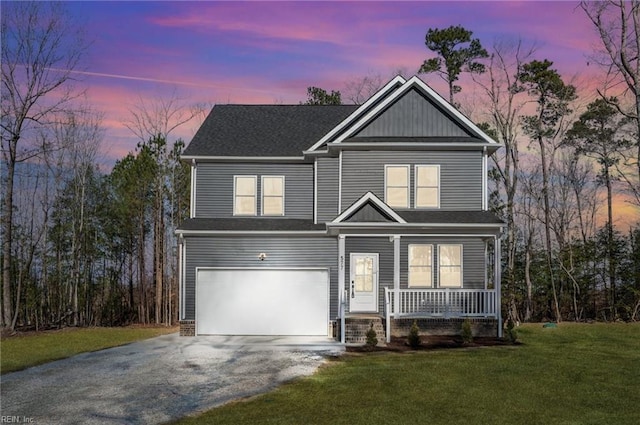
x: 327, y: 190
x: 372, y: 245
x: 473, y: 260
x: 460, y: 175
x: 413, y: 115
x: 282, y: 252
x: 214, y: 187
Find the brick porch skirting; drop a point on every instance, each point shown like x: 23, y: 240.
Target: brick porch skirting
x: 480, y: 326
x: 187, y: 328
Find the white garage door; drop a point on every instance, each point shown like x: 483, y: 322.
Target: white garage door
x: 262, y: 301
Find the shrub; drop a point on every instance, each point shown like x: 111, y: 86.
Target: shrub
x: 372, y: 338
x: 510, y: 333
x: 414, y: 335
x: 467, y: 333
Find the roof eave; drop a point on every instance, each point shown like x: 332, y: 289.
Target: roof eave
x: 408, y: 146
x: 183, y: 232
x: 209, y: 158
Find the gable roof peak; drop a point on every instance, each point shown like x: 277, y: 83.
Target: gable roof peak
x: 369, y: 198
x: 414, y: 83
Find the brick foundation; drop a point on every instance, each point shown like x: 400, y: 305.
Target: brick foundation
x: 483, y: 327
x: 187, y: 328
x: 356, y: 329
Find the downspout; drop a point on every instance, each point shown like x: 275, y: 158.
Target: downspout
x: 498, y: 283
x: 485, y: 186
x: 315, y: 191
x: 192, y: 209
x: 181, y: 274
x: 340, y: 183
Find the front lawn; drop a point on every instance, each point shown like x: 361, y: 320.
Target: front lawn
x: 23, y: 351
x: 573, y: 374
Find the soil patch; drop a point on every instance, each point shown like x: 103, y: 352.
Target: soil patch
x: 434, y: 342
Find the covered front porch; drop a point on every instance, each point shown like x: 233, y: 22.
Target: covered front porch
x: 416, y: 264
x: 438, y: 308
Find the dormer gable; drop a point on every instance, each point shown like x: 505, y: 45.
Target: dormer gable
x: 370, y: 209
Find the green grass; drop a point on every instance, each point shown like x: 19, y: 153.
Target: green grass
x: 573, y: 374
x: 21, y: 352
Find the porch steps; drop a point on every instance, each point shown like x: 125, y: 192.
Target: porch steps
x: 356, y: 328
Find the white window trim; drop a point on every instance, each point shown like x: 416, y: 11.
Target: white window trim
x: 408, y: 167
x: 461, y: 265
x: 415, y: 189
x: 262, y: 196
x: 409, y: 266
x: 255, y: 197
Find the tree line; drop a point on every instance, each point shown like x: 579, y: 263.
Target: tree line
x: 561, y: 161
x: 84, y: 247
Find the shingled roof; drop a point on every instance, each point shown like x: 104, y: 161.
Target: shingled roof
x: 265, y: 130
x: 450, y: 217
x: 254, y: 224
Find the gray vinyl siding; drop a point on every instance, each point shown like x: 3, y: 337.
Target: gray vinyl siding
x: 413, y: 115
x: 368, y: 214
x: 327, y: 190
x: 460, y: 175
x: 473, y: 261
x: 372, y: 245
x: 320, y: 252
x: 214, y: 187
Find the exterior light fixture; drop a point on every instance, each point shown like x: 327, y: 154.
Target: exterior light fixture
x: 262, y: 256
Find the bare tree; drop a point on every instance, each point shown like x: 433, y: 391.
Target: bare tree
x: 504, y: 95
x: 152, y: 122
x: 81, y: 133
x: 161, y: 116
x: 359, y: 90
x: 41, y: 47
x: 618, y: 25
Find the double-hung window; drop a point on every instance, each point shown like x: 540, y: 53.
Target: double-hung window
x: 397, y: 186
x: 427, y: 193
x: 420, y: 265
x: 244, y: 195
x: 272, y: 195
x: 450, y: 266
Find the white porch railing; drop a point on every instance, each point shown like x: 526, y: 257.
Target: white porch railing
x: 441, y: 302
x: 445, y: 302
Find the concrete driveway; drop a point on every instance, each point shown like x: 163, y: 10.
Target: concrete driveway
x: 159, y: 379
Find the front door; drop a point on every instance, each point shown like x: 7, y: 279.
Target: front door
x: 363, y: 290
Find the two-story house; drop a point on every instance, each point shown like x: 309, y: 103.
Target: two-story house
x: 312, y: 220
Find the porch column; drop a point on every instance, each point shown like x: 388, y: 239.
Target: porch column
x: 341, y: 300
x: 498, y: 283
x: 396, y: 275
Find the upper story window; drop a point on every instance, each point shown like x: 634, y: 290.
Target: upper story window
x: 427, y: 186
x: 397, y: 186
x: 450, y: 266
x: 244, y: 195
x: 420, y: 265
x: 272, y: 195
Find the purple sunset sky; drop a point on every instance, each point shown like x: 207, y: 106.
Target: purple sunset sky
x: 270, y: 52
